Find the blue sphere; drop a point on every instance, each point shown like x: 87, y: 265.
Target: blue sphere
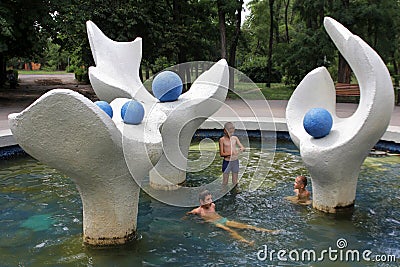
x: 318, y: 122
x: 167, y: 86
x: 105, y: 107
x: 132, y: 112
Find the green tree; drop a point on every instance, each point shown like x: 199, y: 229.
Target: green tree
x: 21, y: 33
x: 173, y: 31
x: 229, y: 23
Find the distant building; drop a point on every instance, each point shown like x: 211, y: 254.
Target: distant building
x: 32, y: 66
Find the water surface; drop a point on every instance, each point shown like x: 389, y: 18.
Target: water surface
x: 41, y: 219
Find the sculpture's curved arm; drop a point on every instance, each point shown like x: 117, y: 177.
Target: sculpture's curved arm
x: 206, y: 96
x: 70, y: 133
x: 334, y: 161
x: 376, y: 88
x: 315, y: 90
x: 117, y: 67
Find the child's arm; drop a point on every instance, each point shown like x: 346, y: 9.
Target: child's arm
x: 193, y: 211
x: 241, y: 147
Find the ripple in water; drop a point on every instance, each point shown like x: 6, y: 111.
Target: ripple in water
x: 41, y: 218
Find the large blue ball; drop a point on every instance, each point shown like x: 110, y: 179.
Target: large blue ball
x: 105, y: 107
x: 132, y: 112
x: 167, y: 86
x: 318, y: 122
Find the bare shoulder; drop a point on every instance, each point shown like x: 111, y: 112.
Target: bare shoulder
x: 235, y: 138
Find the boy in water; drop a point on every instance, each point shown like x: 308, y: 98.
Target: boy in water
x: 300, y: 189
x: 228, y: 150
x: 302, y: 194
x: 206, y: 210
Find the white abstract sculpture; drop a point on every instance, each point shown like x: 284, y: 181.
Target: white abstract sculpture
x: 206, y: 96
x: 107, y: 159
x: 117, y: 67
x: 334, y: 161
x: 69, y: 132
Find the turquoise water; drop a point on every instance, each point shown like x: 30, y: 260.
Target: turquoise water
x: 41, y: 219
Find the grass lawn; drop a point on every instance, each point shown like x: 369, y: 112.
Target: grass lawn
x: 277, y: 91
x: 41, y: 72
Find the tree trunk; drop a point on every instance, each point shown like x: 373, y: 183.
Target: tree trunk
x: 344, y: 71
x: 286, y: 20
x: 176, y: 13
x: 271, y: 41
x: 196, y: 68
x: 234, y: 43
x: 222, y: 29
x: 2, y: 70
x: 141, y: 73
x: 396, y: 79
x: 188, y: 76
x: 277, y: 22
x: 396, y: 71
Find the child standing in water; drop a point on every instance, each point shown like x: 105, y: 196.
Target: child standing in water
x: 228, y: 150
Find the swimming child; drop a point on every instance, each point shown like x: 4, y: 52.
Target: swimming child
x: 228, y: 150
x: 206, y: 210
x: 302, y: 194
x: 300, y: 189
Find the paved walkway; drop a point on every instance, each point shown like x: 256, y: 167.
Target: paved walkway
x: 233, y: 109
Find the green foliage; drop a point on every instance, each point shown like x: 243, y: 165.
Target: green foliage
x: 161, y: 63
x: 257, y: 70
x: 20, y: 34
x: 308, y: 45
x: 81, y: 75
x: 179, y: 31
x: 307, y: 51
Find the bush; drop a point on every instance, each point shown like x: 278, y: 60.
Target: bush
x: 257, y: 70
x: 161, y: 63
x: 70, y: 69
x: 12, y: 78
x: 81, y: 75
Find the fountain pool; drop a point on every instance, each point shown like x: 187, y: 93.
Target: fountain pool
x: 41, y: 219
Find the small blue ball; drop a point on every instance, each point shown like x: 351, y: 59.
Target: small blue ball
x: 132, y: 112
x: 105, y: 107
x: 123, y: 109
x: 167, y: 86
x: 318, y: 122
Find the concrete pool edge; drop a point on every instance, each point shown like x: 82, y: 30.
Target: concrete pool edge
x: 213, y: 127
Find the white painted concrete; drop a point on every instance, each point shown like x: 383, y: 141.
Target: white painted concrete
x: 335, y: 160
x: 69, y: 132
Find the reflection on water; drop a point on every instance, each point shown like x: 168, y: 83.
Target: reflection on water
x: 41, y: 218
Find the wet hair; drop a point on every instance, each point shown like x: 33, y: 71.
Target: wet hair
x: 228, y: 125
x: 303, y: 179
x: 203, y: 194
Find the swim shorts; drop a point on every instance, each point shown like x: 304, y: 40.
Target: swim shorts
x: 222, y: 221
x: 230, y: 166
